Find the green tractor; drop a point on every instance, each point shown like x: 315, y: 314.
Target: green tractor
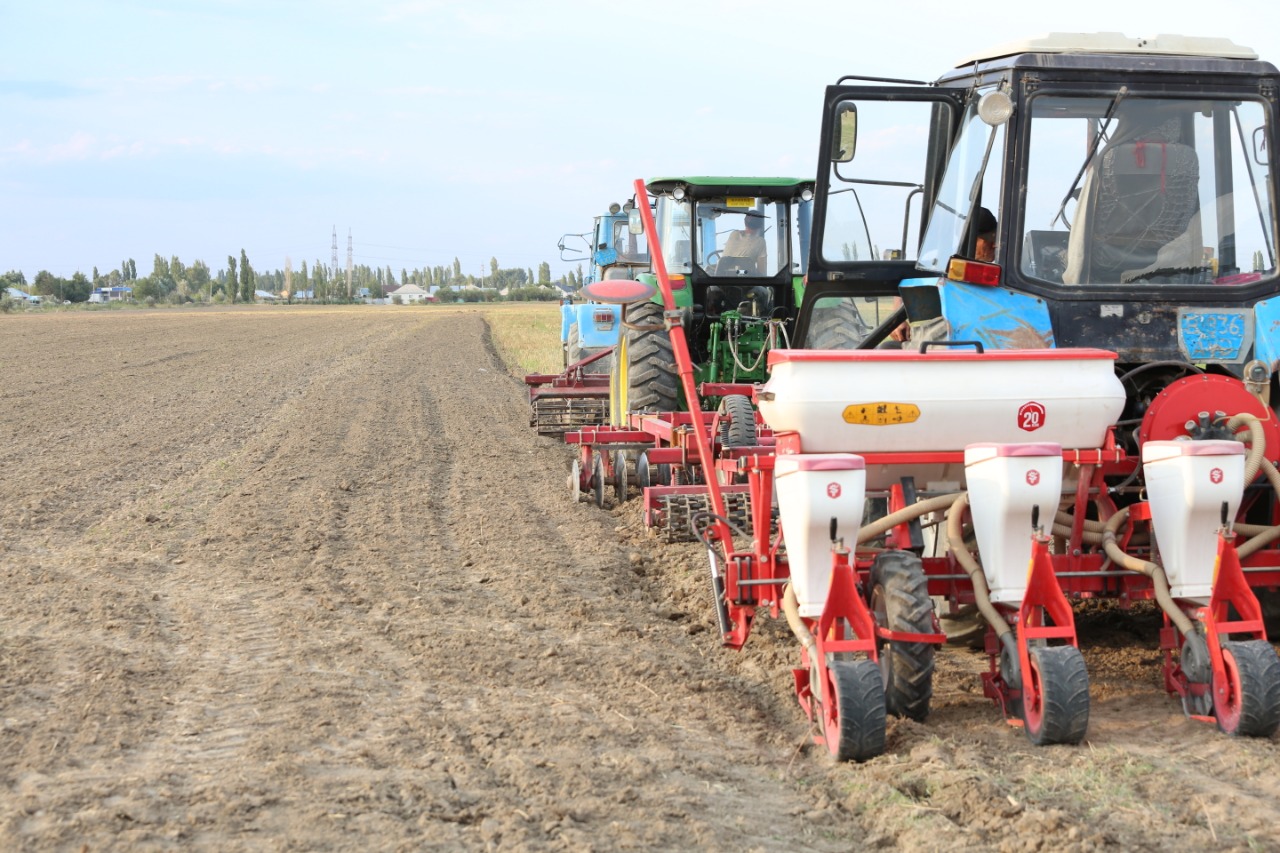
x: 737, y: 250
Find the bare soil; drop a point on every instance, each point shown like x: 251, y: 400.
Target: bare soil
x: 305, y: 579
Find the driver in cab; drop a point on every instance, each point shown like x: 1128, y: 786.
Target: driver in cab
x: 746, y: 244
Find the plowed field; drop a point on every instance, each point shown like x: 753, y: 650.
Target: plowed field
x: 305, y: 579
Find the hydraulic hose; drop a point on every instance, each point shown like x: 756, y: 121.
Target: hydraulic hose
x: 880, y: 525
x: 981, y: 592
x: 1159, y: 582
x: 791, y: 609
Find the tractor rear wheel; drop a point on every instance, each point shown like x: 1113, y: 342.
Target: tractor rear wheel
x: 1055, y: 695
x: 900, y: 601
x: 572, y: 346
x: 837, y: 326
x: 853, y: 718
x: 1248, y: 704
x: 643, y: 374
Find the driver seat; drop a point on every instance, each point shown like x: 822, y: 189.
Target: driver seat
x: 1144, y: 213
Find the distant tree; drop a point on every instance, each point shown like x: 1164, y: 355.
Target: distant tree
x: 78, y: 288
x: 133, y: 270
x: 457, y: 269
x: 162, y: 277
x: 45, y: 283
x: 199, y: 281
x: 246, y: 278
x: 233, y: 283
x: 13, y: 278
x: 544, y: 273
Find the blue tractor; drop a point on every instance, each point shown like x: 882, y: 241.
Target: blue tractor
x: 589, y: 329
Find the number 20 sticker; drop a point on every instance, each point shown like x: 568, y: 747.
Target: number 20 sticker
x: 1031, y: 417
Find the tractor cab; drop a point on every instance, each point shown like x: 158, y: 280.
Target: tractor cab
x: 1130, y: 195
x: 738, y: 248
x: 611, y: 249
x: 1128, y: 183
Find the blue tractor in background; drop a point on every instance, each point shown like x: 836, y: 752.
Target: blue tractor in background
x: 589, y: 329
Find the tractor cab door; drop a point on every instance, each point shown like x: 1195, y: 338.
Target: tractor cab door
x: 881, y: 158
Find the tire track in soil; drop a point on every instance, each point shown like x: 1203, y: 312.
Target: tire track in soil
x: 375, y: 615
x: 346, y: 600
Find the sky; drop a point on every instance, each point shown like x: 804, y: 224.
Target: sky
x: 430, y: 130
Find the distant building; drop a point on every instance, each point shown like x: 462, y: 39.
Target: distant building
x: 111, y: 294
x: 408, y: 293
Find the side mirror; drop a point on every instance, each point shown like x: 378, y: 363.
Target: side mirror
x: 844, y: 132
x: 635, y: 225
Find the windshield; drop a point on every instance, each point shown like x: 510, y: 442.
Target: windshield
x: 739, y: 237
x: 1130, y: 189
x: 966, y: 206
x: 631, y: 248
x: 743, y: 237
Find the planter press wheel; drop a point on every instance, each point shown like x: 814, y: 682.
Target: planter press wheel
x: 597, y: 480
x: 575, y: 481
x: 900, y: 601
x: 1055, y: 695
x: 619, y: 481
x: 1248, y: 704
x: 853, y: 718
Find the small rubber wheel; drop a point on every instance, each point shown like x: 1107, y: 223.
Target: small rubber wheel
x: 854, y: 718
x: 597, y: 480
x: 1248, y: 703
x: 1055, y: 695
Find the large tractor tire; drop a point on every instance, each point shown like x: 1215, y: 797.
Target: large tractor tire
x: 572, y: 346
x: 838, y: 326
x: 575, y: 352
x: 900, y: 601
x: 643, y: 376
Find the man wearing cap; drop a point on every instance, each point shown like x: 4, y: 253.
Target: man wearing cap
x: 748, y: 243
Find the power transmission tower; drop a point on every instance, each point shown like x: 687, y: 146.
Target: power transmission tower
x: 333, y: 268
x: 348, y: 263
